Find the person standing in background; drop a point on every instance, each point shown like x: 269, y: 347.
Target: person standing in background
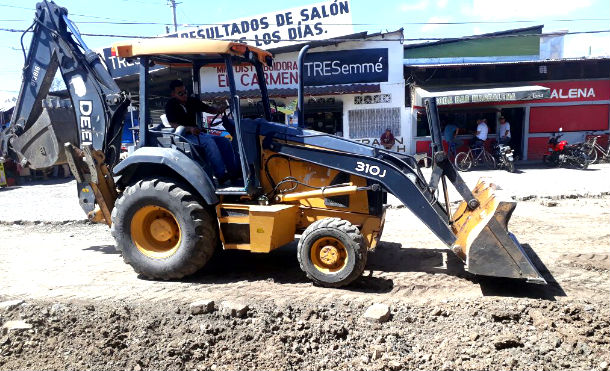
x: 387, y: 139
x: 504, y: 134
x: 481, y: 133
x: 450, y: 135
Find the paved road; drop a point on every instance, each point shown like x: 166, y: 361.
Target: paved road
x: 57, y: 201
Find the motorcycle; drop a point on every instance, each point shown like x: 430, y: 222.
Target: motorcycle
x: 562, y: 154
x: 505, y: 157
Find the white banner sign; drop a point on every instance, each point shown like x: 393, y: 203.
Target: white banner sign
x: 282, y: 74
x: 310, y: 22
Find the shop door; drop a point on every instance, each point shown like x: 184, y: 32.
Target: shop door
x: 515, y: 117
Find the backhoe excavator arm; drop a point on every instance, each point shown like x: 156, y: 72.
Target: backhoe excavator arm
x: 91, y: 142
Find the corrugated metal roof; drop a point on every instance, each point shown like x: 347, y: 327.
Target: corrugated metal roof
x: 309, y: 90
x: 474, y: 37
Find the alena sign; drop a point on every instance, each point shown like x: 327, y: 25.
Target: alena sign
x: 572, y: 93
x: 577, y: 90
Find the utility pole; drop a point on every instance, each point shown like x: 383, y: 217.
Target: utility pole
x: 173, y: 5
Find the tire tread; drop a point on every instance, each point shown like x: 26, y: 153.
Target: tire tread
x: 354, y: 235
x: 205, y: 240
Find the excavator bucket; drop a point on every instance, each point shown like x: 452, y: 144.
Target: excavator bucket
x: 484, y: 242
x: 42, y: 144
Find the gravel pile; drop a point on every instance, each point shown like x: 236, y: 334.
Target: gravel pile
x: 489, y: 333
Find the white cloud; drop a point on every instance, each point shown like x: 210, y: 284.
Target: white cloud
x: 442, y: 4
x: 433, y: 27
x: 576, y: 46
x: 522, y: 9
x: 415, y: 6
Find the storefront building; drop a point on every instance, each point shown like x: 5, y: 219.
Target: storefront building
x: 354, y: 86
x: 578, y: 89
x: 578, y: 101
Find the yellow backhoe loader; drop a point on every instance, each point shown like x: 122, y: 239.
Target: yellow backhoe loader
x: 168, y: 214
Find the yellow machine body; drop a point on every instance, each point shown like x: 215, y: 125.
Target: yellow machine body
x: 262, y: 228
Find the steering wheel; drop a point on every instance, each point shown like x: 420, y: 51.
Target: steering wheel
x: 223, y: 113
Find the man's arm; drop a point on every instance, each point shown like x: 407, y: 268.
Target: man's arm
x: 203, y: 107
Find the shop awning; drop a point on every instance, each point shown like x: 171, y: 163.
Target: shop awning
x: 292, y: 92
x: 487, y: 95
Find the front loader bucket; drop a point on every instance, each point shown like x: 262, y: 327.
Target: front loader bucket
x: 484, y: 242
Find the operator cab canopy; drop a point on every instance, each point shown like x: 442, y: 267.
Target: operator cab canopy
x: 174, y: 52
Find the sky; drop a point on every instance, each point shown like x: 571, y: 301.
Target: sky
x: 419, y: 19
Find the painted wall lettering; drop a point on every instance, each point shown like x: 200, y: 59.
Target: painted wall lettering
x: 85, y: 108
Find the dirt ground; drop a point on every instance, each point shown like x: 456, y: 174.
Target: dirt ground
x: 88, y: 310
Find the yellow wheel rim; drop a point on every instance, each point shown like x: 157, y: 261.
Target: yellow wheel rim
x: 328, y: 255
x: 155, y: 232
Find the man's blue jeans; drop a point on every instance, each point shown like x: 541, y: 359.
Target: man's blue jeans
x: 218, y: 152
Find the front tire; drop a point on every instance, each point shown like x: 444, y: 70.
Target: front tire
x: 581, y: 160
x: 549, y: 161
x: 162, y: 230
x: 510, y: 166
x: 490, y: 161
x: 463, y: 161
x: 592, y: 154
x: 332, y: 252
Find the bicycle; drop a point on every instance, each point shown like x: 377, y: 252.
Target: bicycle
x: 591, y: 148
x: 474, y: 156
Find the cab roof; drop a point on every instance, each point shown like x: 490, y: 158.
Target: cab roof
x: 182, y: 52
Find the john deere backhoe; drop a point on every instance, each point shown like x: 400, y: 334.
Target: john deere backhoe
x: 167, y: 214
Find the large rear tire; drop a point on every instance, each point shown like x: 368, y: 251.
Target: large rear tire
x: 463, y: 161
x: 332, y: 252
x: 162, y: 230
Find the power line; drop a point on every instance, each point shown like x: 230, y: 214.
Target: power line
x: 139, y: 23
x: 70, y: 14
x: 133, y: 22
x: 363, y: 24
x: 339, y: 39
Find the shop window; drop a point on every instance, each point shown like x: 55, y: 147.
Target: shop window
x: 371, y: 123
x: 465, y: 120
x: 324, y: 114
x: 326, y: 122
